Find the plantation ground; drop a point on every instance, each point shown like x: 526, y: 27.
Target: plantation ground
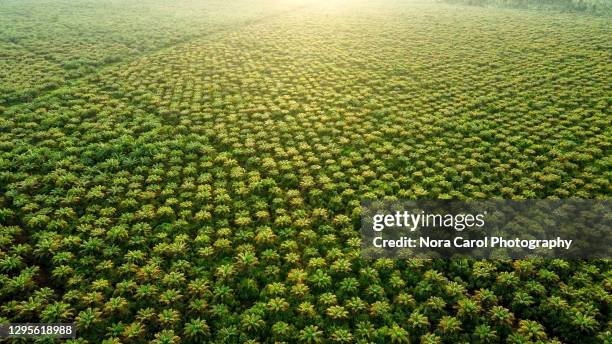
x: 192, y: 172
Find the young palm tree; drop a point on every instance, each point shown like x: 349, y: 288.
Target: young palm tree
x: 281, y: 330
x: 484, y: 334
x: 310, y: 335
x: 88, y: 318
x: 449, y: 326
x: 430, y: 338
x: 398, y: 335
x: 337, y: 312
x: 418, y: 321
x: 341, y: 336
x: 134, y: 331
x: 166, y: 337
x: 56, y: 312
x: 252, y: 323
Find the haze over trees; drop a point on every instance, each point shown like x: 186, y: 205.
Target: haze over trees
x: 192, y: 171
x: 603, y: 7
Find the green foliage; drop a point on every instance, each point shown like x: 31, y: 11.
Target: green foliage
x: 45, y: 46
x: 588, y: 6
x: 209, y: 191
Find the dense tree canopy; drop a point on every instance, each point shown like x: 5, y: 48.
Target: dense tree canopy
x: 206, y: 187
x: 603, y: 7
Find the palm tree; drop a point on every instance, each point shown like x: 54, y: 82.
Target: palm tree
x: 342, y: 336
x: 134, y: 331
x: 349, y: 285
x: 146, y: 315
x: 502, y: 316
x: 337, y: 312
x: 88, y: 318
x: 434, y: 307
x: 169, y: 317
x: 277, y: 305
x: 418, y: 321
x: 486, y: 298
x: 532, y: 330
x: 586, y: 324
x: 484, y: 334
x: 449, y: 326
x: 56, y: 312
x: 146, y: 292
x: 300, y: 290
x: 197, y: 306
x: 398, y: 335
x: 170, y: 296
x: 246, y: 260
x: 252, y: 323
x: 311, y: 334
x: 320, y: 279
x: 467, y: 309
x: 196, y: 330
x: 430, y: 338
x: 166, y: 337
x: 10, y: 262
x: 281, y: 330
x: 306, y: 309
x: 116, y: 305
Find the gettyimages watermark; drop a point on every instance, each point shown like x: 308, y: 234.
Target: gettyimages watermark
x: 571, y: 228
